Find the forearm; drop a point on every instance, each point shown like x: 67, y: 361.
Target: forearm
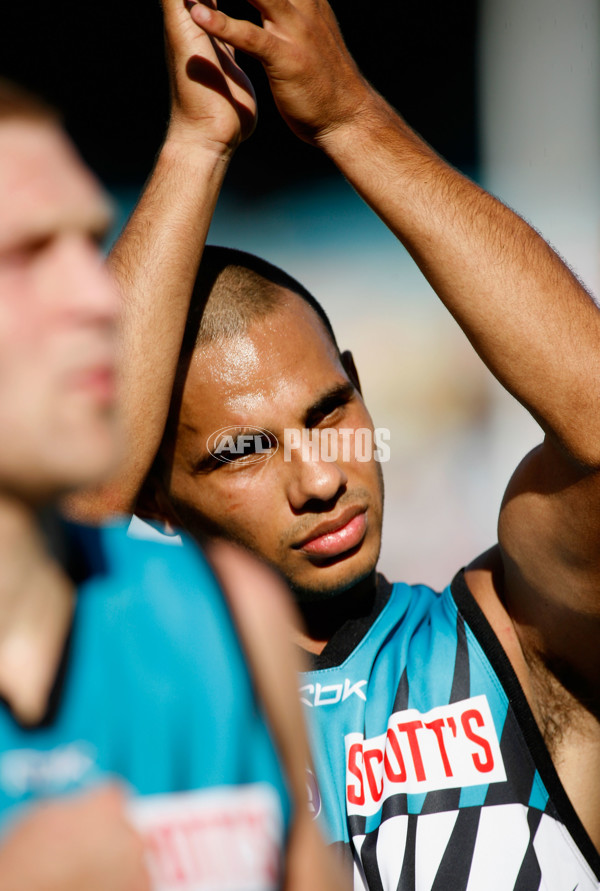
x: 155, y: 262
x: 523, y: 310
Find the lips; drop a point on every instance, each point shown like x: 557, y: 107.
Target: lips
x: 98, y: 380
x: 337, y: 536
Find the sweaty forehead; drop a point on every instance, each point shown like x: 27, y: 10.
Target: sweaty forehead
x: 43, y: 183
x: 275, y: 370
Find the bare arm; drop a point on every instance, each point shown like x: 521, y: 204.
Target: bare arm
x: 523, y: 310
x: 265, y: 617
x: 156, y: 258
x: 527, y: 316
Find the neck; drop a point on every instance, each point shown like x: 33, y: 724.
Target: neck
x: 36, y: 602
x: 322, y: 618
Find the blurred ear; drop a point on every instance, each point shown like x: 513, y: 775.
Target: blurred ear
x: 350, y: 369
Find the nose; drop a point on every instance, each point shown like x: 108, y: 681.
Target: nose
x: 87, y: 289
x: 313, y: 479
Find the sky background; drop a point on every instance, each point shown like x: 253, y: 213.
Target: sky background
x: 507, y: 91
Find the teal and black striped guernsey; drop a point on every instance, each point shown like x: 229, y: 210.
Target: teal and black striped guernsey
x: 431, y: 773
x: 153, y: 689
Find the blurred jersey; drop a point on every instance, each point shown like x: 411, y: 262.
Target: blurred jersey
x: 153, y: 689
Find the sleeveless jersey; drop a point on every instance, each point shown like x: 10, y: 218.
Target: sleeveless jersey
x: 431, y: 772
x: 153, y: 689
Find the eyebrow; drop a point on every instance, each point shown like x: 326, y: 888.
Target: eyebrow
x: 95, y: 223
x: 336, y: 395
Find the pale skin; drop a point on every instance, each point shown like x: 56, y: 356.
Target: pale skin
x: 532, y: 324
x: 57, y: 404
x: 57, y: 408
x: 213, y: 110
x: 58, y: 312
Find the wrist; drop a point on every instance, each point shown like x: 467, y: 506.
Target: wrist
x: 188, y: 141
x: 188, y: 164
x: 352, y: 122
x: 374, y: 128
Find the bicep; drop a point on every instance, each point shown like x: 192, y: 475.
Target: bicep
x: 549, y: 536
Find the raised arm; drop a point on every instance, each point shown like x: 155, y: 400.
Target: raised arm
x: 156, y: 257
x: 525, y: 313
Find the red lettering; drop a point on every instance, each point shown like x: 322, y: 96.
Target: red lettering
x: 162, y: 846
x: 474, y: 715
x: 368, y: 757
x: 399, y: 777
x: 355, y: 797
x: 436, y: 726
x: 410, y: 728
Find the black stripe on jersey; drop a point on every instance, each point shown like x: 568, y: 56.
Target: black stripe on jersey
x: 530, y: 874
x: 407, y: 880
x: 401, y: 700
x: 357, y: 825
x: 368, y: 856
x: 441, y: 800
x: 395, y: 806
x: 499, y: 661
x: 517, y: 788
x: 449, y: 799
x: 455, y: 868
x: 461, y: 681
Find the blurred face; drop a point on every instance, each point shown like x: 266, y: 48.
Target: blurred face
x: 318, y: 521
x: 57, y: 316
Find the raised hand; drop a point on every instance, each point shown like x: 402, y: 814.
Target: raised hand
x: 315, y: 82
x: 212, y: 100
x: 156, y: 257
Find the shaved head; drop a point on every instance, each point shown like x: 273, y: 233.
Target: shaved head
x: 233, y: 289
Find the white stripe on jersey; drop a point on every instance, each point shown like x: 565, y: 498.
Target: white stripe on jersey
x: 500, y: 848
x: 549, y: 843
x: 433, y: 835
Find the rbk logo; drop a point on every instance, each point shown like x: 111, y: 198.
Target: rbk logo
x: 330, y: 694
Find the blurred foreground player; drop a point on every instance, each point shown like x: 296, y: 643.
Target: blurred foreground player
x: 118, y: 659
x: 458, y: 735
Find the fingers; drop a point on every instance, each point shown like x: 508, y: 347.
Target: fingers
x: 241, y: 35
x: 273, y: 9
x: 189, y: 4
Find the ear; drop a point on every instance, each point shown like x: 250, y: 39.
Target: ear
x: 153, y: 502
x: 350, y: 369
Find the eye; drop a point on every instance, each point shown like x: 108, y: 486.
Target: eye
x: 243, y: 448
x: 333, y: 414
x: 21, y: 255
x: 330, y: 412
